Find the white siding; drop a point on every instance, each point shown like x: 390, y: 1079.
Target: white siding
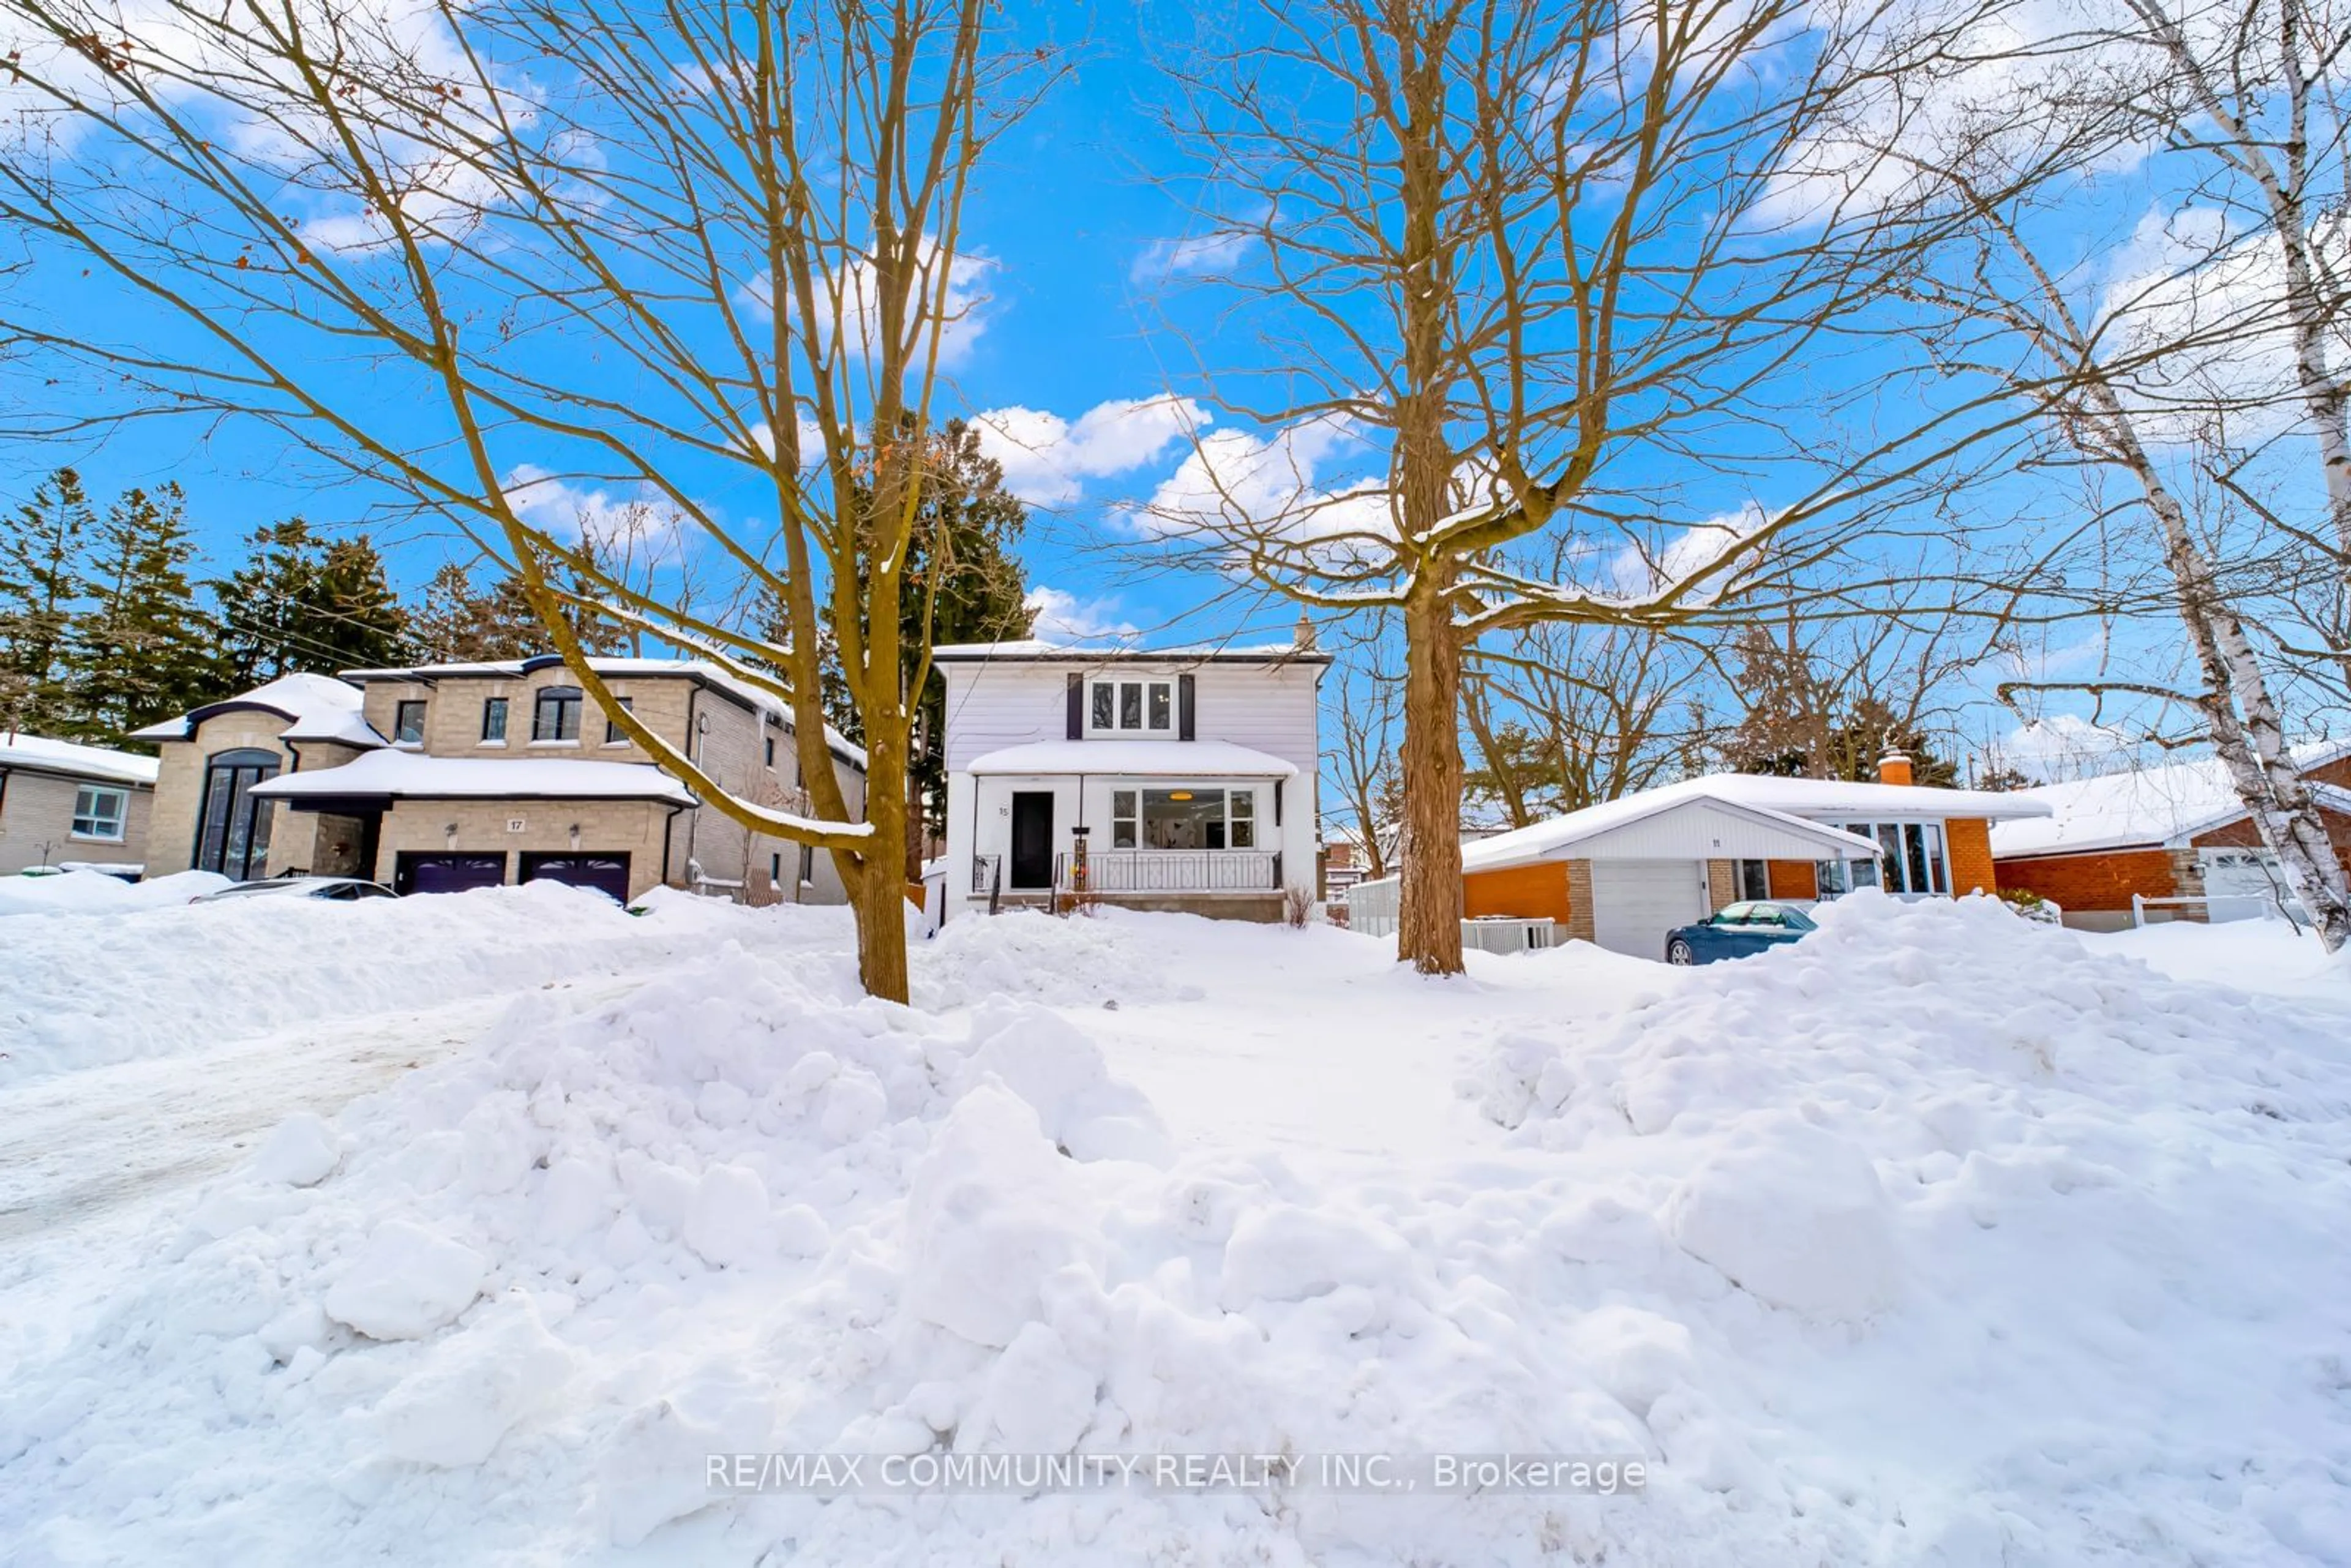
x: 1270, y: 708
x: 1267, y: 707
x: 1698, y: 830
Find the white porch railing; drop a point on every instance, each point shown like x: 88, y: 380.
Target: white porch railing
x: 1172, y: 871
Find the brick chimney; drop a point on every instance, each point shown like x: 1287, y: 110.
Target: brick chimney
x: 1894, y: 767
x: 1302, y: 639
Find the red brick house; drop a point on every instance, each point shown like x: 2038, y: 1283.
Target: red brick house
x: 1625, y: 872
x: 2175, y: 833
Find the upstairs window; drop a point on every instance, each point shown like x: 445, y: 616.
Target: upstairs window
x: 613, y: 734
x: 493, y: 720
x: 1131, y: 708
x: 556, y: 715
x: 98, y: 813
x: 408, y: 723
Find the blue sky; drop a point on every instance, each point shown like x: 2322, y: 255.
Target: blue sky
x: 1078, y: 243
x: 1075, y: 236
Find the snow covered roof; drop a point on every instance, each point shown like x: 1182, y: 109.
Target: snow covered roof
x: 38, y: 754
x: 1802, y: 802
x: 615, y: 668
x: 1158, y: 759
x: 1037, y: 650
x: 411, y: 776
x: 2147, y: 807
x: 319, y: 707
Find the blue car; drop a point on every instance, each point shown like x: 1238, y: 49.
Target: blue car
x: 1736, y: 930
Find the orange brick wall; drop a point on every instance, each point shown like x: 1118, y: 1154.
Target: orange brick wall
x: 1792, y: 879
x: 1967, y: 841
x: 2094, y: 881
x: 1532, y: 890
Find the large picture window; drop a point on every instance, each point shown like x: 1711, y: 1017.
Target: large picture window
x: 1196, y: 817
x: 98, y: 813
x: 1910, y: 861
x: 233, y: 833
x: 1131, y: 707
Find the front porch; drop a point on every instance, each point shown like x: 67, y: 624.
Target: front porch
x: 1221, y: 840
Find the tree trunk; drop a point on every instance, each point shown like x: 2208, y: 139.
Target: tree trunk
x: 1428, y: 924
x: 874, y: 875
x: 2239, y: 713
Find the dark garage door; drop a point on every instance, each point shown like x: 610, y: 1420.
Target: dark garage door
x: 605, y: 874
x: 446, y: 873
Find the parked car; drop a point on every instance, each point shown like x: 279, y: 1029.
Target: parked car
x: 1735, y: 931
x: 340, y: 889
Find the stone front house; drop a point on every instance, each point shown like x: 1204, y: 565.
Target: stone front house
x: 439, y: 778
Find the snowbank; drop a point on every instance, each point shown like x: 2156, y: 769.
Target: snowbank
x: 1935, y: 1239
x: 95, y: 892
x: 136, y: 970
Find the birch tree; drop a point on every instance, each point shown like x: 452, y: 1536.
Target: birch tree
x: 1510, y: 265
x: 492, y: 256
x: 2108, y: 370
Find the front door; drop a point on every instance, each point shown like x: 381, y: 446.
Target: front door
x: 1032, y: 839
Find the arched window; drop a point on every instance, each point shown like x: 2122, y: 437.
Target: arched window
x: 556, y: 715
x: 232, y: 827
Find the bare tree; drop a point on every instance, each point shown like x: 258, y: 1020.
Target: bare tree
x: 481, y: 254
x: 1567, y: 716
x: 2109, y: 376
x: 1365, y: 706
x: 1519, y: 263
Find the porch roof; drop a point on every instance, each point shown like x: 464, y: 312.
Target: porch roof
x: 1148, y: 758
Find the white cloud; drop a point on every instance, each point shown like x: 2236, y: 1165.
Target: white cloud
x: 565, y: 510
x: 2195, y: 314
x: 1062, y: 617
x: 1047, y: 459
x: 1277, y: 489
x: 967, y: 301
x: 2063, y: 746
x: 1204, y: 254
x: 1638, y: 570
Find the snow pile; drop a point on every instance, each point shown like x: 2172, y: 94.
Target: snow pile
x: 2035, y: 1231
x: 1104, y: 959
x: 96, y: 892
x: 1931, y: 1240
x: 84, y: 990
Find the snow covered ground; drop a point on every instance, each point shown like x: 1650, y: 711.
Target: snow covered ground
x: 1936, y: 1238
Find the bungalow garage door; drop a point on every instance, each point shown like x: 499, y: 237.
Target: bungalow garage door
x: 607, y: 874
x: 1636, y: 902
x: 446, y: 873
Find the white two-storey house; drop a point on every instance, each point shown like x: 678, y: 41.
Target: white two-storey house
x: 1172, y: 780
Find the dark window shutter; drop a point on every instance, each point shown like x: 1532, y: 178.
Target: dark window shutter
x: 1077, y: 707
x: 1183, y: 707
x: 1277, y: 802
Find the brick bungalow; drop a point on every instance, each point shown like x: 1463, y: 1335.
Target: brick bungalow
x: 1625, y: 872
x: 2173, y: 832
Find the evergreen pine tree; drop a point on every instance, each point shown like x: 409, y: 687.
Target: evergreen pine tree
x: 300, y: 602
x: 356, y: 614
x: 459, y: 623
x: 963, y: 536
x: 264, y: 604
x: 41, y: 547
x: 144, y: 650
